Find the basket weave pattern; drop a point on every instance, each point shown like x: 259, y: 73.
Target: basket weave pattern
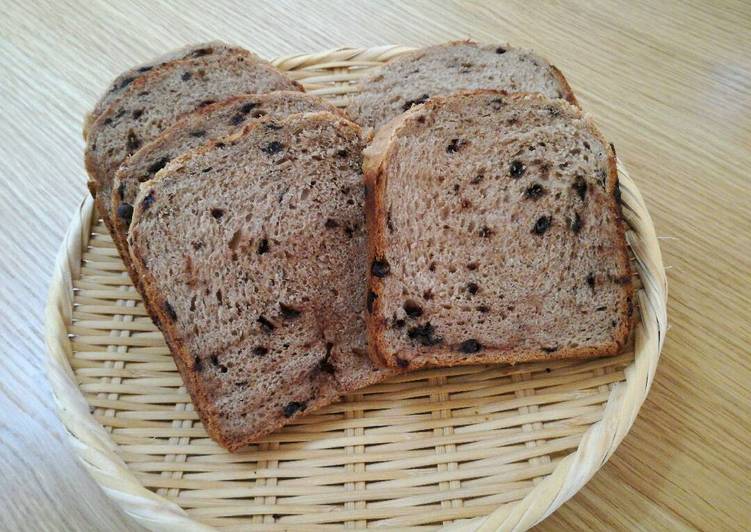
x: 480, y: 448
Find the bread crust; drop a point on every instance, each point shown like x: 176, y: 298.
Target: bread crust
x: 377, y: 155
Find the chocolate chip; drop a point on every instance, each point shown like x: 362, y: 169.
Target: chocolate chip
x: 342, y: 153
x: 263, y: 246
x: 137, y: 114
x: 412, y: 309
x: 591, y: 280
x: 417, y: 101
x: 372, y: 296
x: 202, y: 51
x: 196, y: 245
x: 292, y: 408
x: 485, y: 232
x: 389, y: 223
x: 170, y: 311
x: 516, y: 169
x: 158, y: 165
x: 580, y: 186
x: 121, y: 191
x: 630, y: 308
x: 553, y: 111
x: 470, y: 346
x: 427, y: 295
x: 204, y: 103
x: 380, y: 268
x: 542, y: 224
x: 398, y: 324
x: 477, y: 179
x: 349, y: 231
x: 424, y: 334
x: 500, y: 50
x: 550, y: 349
x: 534, y: 191
x: 455, y: 145
x: 214, y: 360
x: 324, y: 364
x: 331, y: 224
x: 431, y: 266
x: 576, y: 223
x: 260, y: 350
x: 586, y: 145
x: 132, y: 142
x: 125, y: 212
x: 197, y: 364
x: 472, y: 288
x: 127, y: 81
x: 241, y: 384
x: 483, y: 308
x: 148, y: 201
x: 197, y: 134
x: 600, y: 309
x: 247, y: 107
x: 401, y: 362
x: 217, y: 213
x: 186, y: 76
x: 266, y: 325
x: 496, y: 104
x: 273, y: 147
x: 289, y: 312
x: 472, y: 266
x: 238, y: 119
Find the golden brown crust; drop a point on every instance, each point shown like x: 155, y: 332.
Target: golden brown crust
x: 377, y: 155
x: 568, y: 93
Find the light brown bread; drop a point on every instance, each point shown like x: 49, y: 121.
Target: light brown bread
x: 155, y: 101
x: 121, y: 82
x: 412, y: 78
x: 495, y: 234
x: 208, y: 123
x: 251, y: 250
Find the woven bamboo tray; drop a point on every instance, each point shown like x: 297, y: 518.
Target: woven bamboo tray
x: 475, y: 448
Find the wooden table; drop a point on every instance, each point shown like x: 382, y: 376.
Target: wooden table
x: 670, y: 85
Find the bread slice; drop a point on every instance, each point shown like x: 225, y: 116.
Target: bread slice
x: 209, y: 122
x: 412, y: 78
x: 251, y: 250
x: 155, y: 101
x: 495, y: 234
x: 121, y: 82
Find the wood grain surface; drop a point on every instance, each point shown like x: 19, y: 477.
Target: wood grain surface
x: 668, y: 82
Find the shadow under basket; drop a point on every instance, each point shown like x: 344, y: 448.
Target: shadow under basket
x: 464, y: 448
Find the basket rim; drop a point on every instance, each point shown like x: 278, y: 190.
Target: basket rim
x: 98, y: 453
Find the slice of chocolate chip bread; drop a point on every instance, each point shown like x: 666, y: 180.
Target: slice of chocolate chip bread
x: 251, y: 250
x: 495, y: 234
x: 209, y: 122
x: 121, y: 82
x: 412, y: 78
x: 156, y: 100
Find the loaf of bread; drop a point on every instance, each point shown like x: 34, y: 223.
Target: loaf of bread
x: 209, y: 122
x: 412, y: 78
x: 153, y: 102
x: 495, y: 234
x: 121, y: 82
x: 251, y: 250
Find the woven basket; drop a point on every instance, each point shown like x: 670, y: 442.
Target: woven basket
x: 475, y: 448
